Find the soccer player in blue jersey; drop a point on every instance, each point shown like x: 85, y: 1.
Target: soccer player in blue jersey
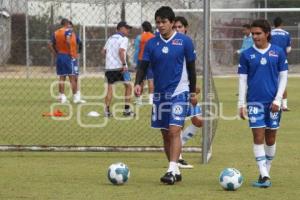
x: 195, y: 113
x: 263, y: 71
x: 172, y: 58
x: 282, y: 39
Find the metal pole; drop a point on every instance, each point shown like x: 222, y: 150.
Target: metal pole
x: 266, y: 6
x: 84, y: 48
x: 27, y: 41
x: 106, y: 20
x: 141, y: 11
x: 205, y: 91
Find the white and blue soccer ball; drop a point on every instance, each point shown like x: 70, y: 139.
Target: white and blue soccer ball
x: 118, y: 173
x: 231, y: 179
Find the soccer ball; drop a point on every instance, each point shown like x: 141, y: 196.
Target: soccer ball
x: 231, y: 179
x: 118, y: 173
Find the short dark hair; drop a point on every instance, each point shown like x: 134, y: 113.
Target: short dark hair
x: 165, y: 12
x: 277, y: 22
x: 264, y: 25
x: 182, y: 20
x: 64, y: 21
x: 147, y: 27
x: 247, y: 26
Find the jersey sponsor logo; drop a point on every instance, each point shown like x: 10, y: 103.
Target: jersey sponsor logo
x: 177, y: 42
x: 177, y: 109
x: 165, y: 50
x: 273, y: 54
x: 252, y: 56
x: 263, y: 61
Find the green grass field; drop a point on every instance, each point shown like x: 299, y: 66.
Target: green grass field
x: 37, y: 175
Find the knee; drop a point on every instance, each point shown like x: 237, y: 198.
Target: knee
x: 197, y: 121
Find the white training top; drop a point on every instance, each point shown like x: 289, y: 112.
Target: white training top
x: 114, y: 43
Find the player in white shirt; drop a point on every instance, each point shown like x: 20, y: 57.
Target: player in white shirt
x: 263, y: 73
x: 116, y: 67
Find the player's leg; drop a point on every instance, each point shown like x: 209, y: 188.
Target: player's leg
x: 190, y: 131
x: 61, y: 89
x: 260, y: 157
x: 77, y: 96
x: 110, y: 77
x: 172, y: 146
x: 73, y: 83
x: 270, y: 146
x: 285, y: 101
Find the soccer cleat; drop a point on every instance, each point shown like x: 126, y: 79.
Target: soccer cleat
x: 264, y: 182
x: 285, y: 109
x: 107, y: 114
x: 168, y: 178
x: 178, y: 177
x: 184, y: 165
x: 128, y: 114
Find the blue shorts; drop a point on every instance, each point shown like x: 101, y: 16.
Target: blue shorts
x: 65, y: 65
x: 149, y: 74
x: 194, y: 110
x: 260, y: 116
x: 169, y: 110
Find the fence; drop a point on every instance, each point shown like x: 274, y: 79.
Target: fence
x: 5, y: 33
x: 29, y: 81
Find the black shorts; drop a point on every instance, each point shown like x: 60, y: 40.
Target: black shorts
x: 114, y: 76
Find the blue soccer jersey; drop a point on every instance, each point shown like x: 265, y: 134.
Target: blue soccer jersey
x: 168, y: 61
x: 263, y: 68
x: 281, y: 38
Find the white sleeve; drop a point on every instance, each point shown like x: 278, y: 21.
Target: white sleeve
x: 242, y: 90
x: 283, y: 76
x: 124, y: 43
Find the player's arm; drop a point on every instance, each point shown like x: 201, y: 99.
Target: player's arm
x: 243, y: 76
x: 79, y: 43
x: 289, y: 47
x: 140, y: 75
x: 282, y: 82
x: 122, y: 53
x: 51, y: 46
x: 242, y: 95
x: 191, y: 71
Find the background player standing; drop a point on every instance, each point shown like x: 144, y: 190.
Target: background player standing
x: 282, y: 39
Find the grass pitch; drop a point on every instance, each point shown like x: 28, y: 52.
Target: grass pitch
x: 36, y: 175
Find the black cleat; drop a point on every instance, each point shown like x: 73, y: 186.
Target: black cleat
x: 168, y: 178
x: 178, y: 177
x: 128, y: 114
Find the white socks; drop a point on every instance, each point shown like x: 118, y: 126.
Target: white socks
x: 260, y: 157
x: 173, y: 167
x: 270, y: 153
x: 188, y: 133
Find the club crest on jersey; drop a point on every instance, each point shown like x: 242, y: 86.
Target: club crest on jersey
x: 263, y: 61
x: 273, y: 54
x: 177, y: 109
x: 165, y: 50
x: 177, y: 42
x: 252, y: 56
